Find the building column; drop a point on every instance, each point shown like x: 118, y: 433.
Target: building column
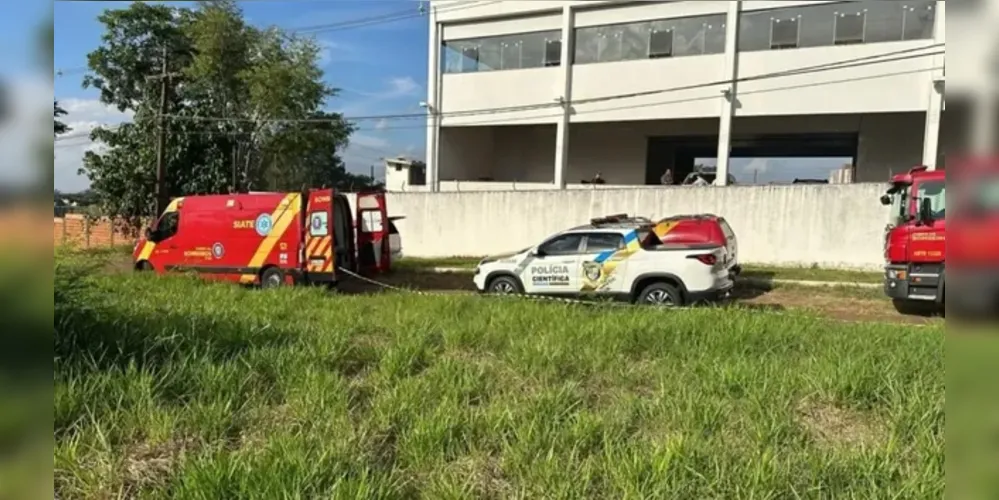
x: 983, y: 125
x: 562, y: 128
x: 730, y: 94
x: 433, y: 102
x: 934, y: 102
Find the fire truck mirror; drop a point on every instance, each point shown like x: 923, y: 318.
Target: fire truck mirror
x: 886, y: 199
x: 149, y: 234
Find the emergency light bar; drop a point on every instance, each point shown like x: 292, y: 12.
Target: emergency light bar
x: 619, y: 219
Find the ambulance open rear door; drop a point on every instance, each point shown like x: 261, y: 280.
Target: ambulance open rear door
x: 373, y: 246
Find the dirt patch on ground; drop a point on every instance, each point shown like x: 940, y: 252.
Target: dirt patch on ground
x: 832, y: 426
x: 834, y: 303
x: 147, y: 465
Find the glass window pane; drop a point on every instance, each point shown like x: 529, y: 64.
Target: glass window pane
x: 490, y: 54
x: 563, y: 245
x: 661, y: 42
x: 816, y: 23
x: 754, y: 31
x: 510, y: 53
x: 634, y: 41
x: 784, y: 31
x: 609, y: 44
x: 532, y: 48
x: 602, y: 242
x: 688, y: 39
x: 918, y: 20
x: 883, y: 21
x: 587, y: 45
x: 715, y: 35
x: 553, y: 52
x: 849, y: 28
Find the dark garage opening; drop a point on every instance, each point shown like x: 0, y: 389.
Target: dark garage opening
x: 680, y: 153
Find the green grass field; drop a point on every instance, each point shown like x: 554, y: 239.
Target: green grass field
x: 167, y: 387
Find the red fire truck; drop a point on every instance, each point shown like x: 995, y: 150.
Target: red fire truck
x: 917, y: 247
x: 915, y: 240
x: 269, y: 239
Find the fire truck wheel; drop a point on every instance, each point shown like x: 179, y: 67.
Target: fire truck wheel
x: 144, y: 266
x: 272, y: 277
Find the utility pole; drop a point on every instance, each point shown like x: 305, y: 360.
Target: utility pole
x: 162, y: 193
x: 162, y: 199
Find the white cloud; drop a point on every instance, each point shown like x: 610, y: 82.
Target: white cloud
x: 82, y: 116
x: 331, y: 51
x: 402, y: 86
x: 381, y: 124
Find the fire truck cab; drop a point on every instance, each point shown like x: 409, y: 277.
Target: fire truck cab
x: 269, y: 239
x: 915, y: 240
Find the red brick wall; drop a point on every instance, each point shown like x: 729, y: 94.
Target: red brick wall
x: 78, y: 231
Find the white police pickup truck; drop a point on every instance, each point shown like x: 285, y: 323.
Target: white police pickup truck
x: 615, y: 257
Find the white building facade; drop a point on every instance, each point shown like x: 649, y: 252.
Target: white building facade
x: 547, y: 94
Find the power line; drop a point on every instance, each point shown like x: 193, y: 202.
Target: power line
x: 360, y: 22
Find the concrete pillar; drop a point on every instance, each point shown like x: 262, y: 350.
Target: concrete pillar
x: 934, y: 101
x: 984, y: 121
x: 433, y: 101
x: 562, y: 128
x: 729, y: 95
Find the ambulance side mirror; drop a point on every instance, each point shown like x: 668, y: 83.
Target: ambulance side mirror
x: 885, y: 199
x: 149, y: 234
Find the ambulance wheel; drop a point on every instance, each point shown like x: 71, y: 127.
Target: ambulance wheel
x: 272, y: 277
x: 144, y: 266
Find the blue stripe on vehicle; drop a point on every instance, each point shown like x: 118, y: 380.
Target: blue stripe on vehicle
x: 604, y: 256
x: 631, y: 236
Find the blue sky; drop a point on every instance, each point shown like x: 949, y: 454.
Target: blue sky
x: 381, y: 69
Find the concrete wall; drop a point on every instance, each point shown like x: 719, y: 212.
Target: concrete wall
x: 832, y: 226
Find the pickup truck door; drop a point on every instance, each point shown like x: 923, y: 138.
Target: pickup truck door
x: 602, y: 266
x: 554, y: 269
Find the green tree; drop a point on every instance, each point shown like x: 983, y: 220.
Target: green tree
x: 60, y: 127
x: 244, y: 107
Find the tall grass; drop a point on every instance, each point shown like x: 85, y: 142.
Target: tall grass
x: 167, y: 387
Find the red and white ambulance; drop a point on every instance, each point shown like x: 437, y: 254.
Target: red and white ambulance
x: 270, y: 239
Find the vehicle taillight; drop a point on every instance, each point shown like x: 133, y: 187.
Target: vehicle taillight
x: 708, y: 259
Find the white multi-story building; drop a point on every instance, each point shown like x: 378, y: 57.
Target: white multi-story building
x: 550, y: 93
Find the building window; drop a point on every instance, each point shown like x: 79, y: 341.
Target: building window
x: 918, y: 20
x: 662, y: 38
x: 511, y: 53
x: 784, y: 33
x: 507, y: 52
x: 469, y: 59
x: 553, y: 52
x: 849, y: 27
x: 660, y: 43
x: 836, y: 23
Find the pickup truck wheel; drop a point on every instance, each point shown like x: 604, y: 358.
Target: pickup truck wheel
x: 660, y: 295
x: 504, y: 285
